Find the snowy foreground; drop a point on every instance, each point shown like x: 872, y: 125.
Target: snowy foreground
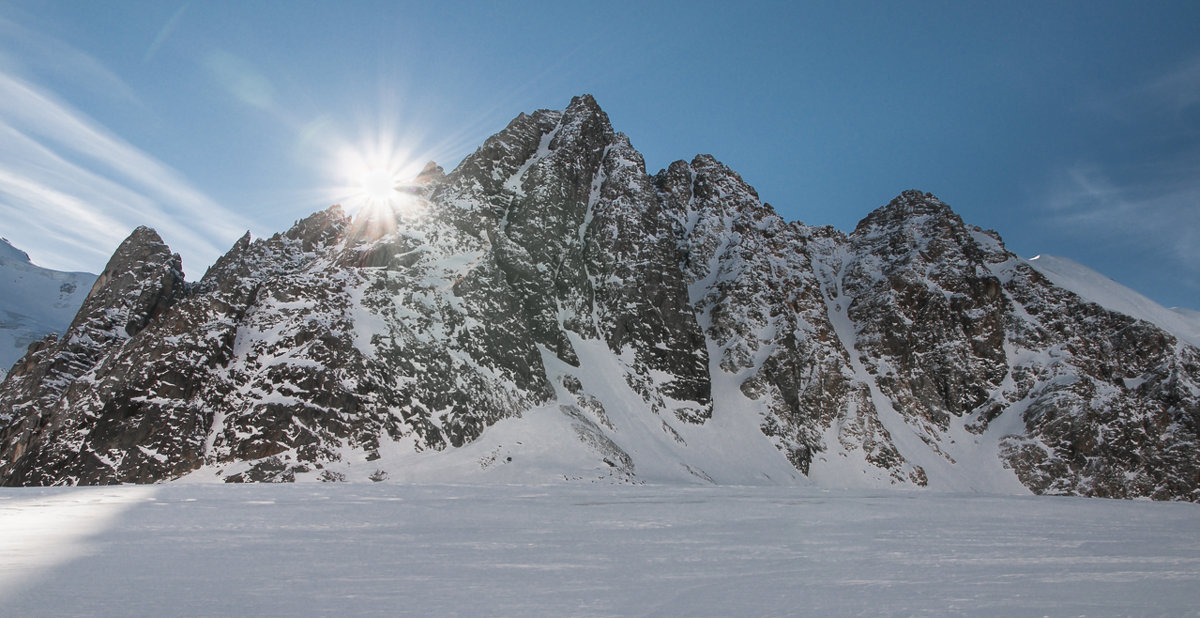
x: 386, y: 549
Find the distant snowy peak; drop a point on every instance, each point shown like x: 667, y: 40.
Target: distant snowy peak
x: 9, y: 252
x: 34, y: 301
x: 1097, y: 288
x: 1188, y: 314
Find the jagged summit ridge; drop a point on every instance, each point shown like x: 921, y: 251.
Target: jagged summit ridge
x: 556, y: 312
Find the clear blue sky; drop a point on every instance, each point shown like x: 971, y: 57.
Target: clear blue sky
x: 1072, y: 128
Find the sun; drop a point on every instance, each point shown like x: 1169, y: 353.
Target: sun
x: 378, y: 185
x: 374, y: 180
x: 374, y: 184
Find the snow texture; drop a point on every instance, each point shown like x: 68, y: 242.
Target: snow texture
x: 594, y: 550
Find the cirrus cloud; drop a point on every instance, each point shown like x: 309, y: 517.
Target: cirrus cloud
x: 70, y: 190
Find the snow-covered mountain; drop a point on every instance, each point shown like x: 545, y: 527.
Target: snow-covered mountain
x: 1095, y: 287
x: 549, y: 310
x: 34, y: 302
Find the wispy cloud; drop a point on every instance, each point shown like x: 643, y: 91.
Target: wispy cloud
x: 241, y: 79
x: 40, y: 53
x: 164, y: 33
x: 1177, y: 90
x: 1144, y: 193
x: 1157, y: 213
x: 70, y: 189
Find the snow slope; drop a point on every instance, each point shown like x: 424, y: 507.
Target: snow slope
x: 567, y: 549
x: 34, y: 302
x: 561, y: 441
x: 1095, y: 287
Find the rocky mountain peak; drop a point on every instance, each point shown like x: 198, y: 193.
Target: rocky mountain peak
x: 226, y: 264
x: 320, y: 228
x: 918, y: 228
x: 141, y: 280
x: 557, y: 313
x: 705, y: 183
x: 584, y: 102
x: 431, y: 173
x: 583, y: 124
x: 908, y: 207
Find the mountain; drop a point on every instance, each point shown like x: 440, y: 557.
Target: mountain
x: 34, y: 302
x: 549, y: 310
x: 1095, y: 287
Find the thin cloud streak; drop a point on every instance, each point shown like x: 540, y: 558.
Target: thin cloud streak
x: 164, y: 33
x: 241, y: 79
x: 1178, y: 89
x: 58, y: 164
x: 1150, y: 203
x: 1157, y: 216
x: 31, y: 201
x: 46, y: 52
x: 43, y: 191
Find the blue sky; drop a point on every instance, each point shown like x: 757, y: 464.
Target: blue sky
x: 1072, y: 128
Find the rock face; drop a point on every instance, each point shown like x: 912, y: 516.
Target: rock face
x: 550, y: 310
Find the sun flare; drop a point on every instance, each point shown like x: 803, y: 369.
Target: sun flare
x: 374, y: 181
x: 379, y: 185
x: 375, y: 184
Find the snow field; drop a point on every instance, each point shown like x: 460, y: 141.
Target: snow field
x: 587, y: 550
